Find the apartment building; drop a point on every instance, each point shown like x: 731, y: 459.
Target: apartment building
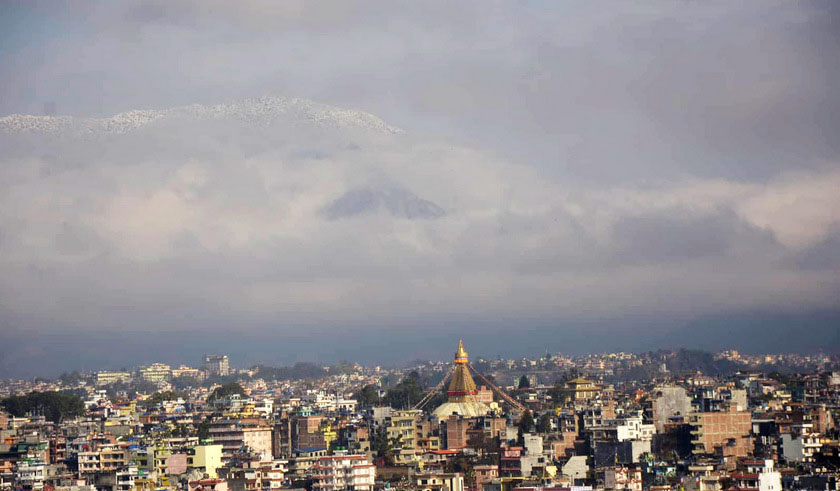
x: 340, y: 472
x: 723, y: 433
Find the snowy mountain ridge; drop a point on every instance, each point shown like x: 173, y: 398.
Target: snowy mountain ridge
x: 262, y: 111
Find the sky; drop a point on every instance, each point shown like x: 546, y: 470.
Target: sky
x: 533, y: 176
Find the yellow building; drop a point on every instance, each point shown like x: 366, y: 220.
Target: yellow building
x: 403, y: 426
x: 206, y: 457
x: 156, y: 372
x: 581, y: 389
x: 105, y: 378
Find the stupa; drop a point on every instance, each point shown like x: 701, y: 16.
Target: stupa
x: 462, y: 391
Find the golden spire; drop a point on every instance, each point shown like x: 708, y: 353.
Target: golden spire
x: 461, y: 354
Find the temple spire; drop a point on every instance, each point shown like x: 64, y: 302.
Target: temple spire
x: 461, y: 354
x: 461, y: 396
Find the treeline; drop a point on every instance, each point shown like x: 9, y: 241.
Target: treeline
x: 55, y: 406
x: 298, y: 371
x: 404, y: 395
x: 677, y: 362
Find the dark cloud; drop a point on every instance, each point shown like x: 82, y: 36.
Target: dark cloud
x: 680, y: 234
x: 821, y: 256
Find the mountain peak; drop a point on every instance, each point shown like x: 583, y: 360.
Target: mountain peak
x: 396, y: 201
x: 260, y: 111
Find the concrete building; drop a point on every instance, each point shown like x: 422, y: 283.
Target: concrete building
x: 722, y: 433
x: 340, y: 472
x: 575, y: 468
x: 439, y: 482
x: 105, y: 378
x: 484, y: 474
x: 217, y: 365
x: 669, y: 402
x: 207, y: 458
x: 800, y: 446
x: 233, y: 435
x: 623, y: 478
x: 156, y: 372
x: 29, y: 474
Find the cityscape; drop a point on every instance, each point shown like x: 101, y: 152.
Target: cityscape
x: 436, y: 245
x: 659, y: 420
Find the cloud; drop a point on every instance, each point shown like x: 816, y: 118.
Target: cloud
x: 678, y: 234
x: 227, y: 215
x: 580, y: 162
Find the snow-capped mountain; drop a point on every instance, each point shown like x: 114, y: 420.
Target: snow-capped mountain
x: 261, y: 111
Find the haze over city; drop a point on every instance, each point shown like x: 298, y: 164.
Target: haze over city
x: 302, y: 181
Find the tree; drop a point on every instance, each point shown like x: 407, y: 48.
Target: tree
x: 55, y: 406
x: 406, y: 393
x: 202, y: 430
x: 162, y: 396
x: 368, y: 395
x: 384, y: 446
x: 557, y: 393
x: 544, y: 423
x: 71, y: 378
x: 526, y: 422
x: 524, y: 382
x: 184, y: 382
x: 226, y: 390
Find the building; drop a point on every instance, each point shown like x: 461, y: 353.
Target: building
x: 156, y: 372
x: 207, y: 458
x: 581, y: 389
x: 462, y: 393
x: 439, y: 482
x: 233, y: 435
x: 484, y: 474
x: 800, y: 446
x: 29, y: 474
x: 339, y: 472
x: 669, y: 402
x: 217, y: 365
x: 105, y: 378
x: 623, y: 478
x: 722, y: 433
x: 185, y: 371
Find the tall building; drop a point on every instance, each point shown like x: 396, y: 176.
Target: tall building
x: 217, y: 365
x: 233, y: 435
x: 338, y: 472
x: 462, y: 400
x: 723, y: 433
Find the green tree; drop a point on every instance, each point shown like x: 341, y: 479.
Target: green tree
x: 526, y: 422
x: 226, y: 390
x: 557, y: 393
x: 544, y: 423
x: 524, y: 382
x: 71, y: 378
x: 202, y: 430
x: 385, y: 446
x: 368, y: 395
x: 55, y: 406
x: 158, y: 397
x: 406, y: 393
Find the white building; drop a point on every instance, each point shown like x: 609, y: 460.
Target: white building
x: 339, y: 472
x: 156, y: 372
x: 29, y: 474
x: 632, y: 428
x: 801, y: 446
